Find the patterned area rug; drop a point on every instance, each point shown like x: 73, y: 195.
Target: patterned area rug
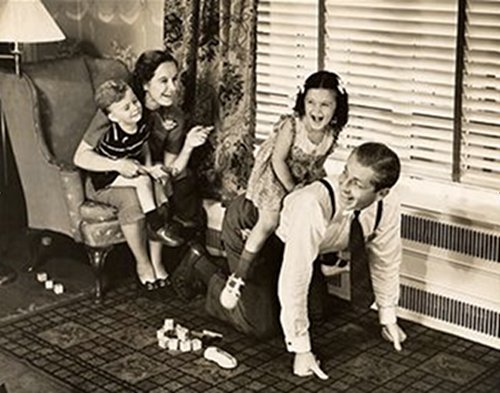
x: 112, y: 347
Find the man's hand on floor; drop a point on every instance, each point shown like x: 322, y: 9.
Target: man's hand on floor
x: 305, y: 364
x: 393, y: 333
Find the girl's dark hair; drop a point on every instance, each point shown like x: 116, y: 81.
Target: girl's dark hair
x: 145, y: 68
x: 331, y: 81
x: 382, y: 160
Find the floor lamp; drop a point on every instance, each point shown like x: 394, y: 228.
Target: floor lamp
x: 26, y: 21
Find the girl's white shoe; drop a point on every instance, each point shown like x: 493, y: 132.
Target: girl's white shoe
x: 222, y: 358
x: 231, y: 293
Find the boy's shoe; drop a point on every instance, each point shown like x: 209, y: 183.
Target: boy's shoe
x: 231, y: 293
x: 167, y: 235
x: 183, y: 278
x: 222, y: 358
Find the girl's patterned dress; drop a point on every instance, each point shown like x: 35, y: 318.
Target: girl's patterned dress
x: 305, y: 161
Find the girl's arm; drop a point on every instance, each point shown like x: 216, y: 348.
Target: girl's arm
x: 281, y: 150
x: 195, y: 137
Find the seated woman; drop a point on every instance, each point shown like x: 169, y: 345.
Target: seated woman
x: 155, y: 82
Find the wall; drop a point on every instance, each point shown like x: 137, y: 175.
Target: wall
x: 116, y: 28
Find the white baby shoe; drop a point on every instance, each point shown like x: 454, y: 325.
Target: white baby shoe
x: 222, y: 358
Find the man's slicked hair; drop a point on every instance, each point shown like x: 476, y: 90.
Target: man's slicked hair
x: 382, y: 160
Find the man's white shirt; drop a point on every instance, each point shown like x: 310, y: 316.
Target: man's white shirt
x: 307, y: 229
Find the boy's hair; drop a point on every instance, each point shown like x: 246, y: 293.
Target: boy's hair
x: 384, y: 162
x: 110, y: 92
x: 331, y: 81
x: 145, y: 68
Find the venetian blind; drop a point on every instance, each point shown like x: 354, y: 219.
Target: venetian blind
x: 287, y: 52
x: 397, y: 59
x: 480, y: 150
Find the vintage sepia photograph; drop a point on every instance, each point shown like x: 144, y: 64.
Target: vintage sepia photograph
x: 223, y: 196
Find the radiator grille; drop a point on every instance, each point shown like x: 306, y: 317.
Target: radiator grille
x: 453, y: 311
x: 451, y: 237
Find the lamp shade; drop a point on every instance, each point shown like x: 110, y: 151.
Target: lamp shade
x: 27, y: 21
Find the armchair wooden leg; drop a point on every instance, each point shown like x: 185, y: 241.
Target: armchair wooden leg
x: 97, y: 258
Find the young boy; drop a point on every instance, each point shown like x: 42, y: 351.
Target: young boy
x: 126, y: 140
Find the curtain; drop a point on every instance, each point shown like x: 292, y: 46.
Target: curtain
x: 215, y: 44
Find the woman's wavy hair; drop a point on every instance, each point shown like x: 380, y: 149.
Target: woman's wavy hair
x: 145, y: 68
x: 326, y: 80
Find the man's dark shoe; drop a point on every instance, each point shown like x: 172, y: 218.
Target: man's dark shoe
x: 168, y: 235
x: 7, y: 274
x: 183, y: 279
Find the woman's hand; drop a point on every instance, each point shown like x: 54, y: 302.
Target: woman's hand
x: 169, y: 124
x: 158, y: 172
x: 129, y: 168
x: 198, y: 135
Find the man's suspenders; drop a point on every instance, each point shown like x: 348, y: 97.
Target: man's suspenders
x: 380, y: 205
x: 378, y: 217
x: 331, y: 193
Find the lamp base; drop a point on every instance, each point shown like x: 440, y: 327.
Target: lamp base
x: 16, y: 56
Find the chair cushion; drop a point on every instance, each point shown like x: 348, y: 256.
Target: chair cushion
x: 103, y: 69
x: 66, y: 103
x: 102, y: 234
x: 93, y: 212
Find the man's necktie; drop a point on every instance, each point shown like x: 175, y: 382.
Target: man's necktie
x: 361, y: 285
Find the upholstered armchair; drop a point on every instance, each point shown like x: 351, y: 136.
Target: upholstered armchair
x: 46, y: 111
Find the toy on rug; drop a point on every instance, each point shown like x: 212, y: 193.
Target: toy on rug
x: 50, y: 284
x: 175, y: 337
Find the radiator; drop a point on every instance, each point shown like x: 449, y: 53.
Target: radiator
x: 450, y: 276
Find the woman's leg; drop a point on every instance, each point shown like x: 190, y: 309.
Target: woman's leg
x: 186, y: 201
x: 135, y: 235
x: 155, y: 249
x: 147, y: 199
x: 132, y: 223
x: 143, y: 187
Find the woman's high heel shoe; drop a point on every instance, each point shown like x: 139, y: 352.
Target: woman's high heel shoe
x: 163, y: 282
x: 146, y: 286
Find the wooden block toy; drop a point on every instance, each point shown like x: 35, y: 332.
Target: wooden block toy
x: 161, y: 333
x: 185, y: 345
x: 163, y: 342
x: 196, y: 344
x: 168, y: 324
x: 181, y: 332
x: 173, y: 344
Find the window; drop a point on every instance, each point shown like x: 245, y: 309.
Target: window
x: 422, y: 76
x: 480, y: 142
x: 287, y: 52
